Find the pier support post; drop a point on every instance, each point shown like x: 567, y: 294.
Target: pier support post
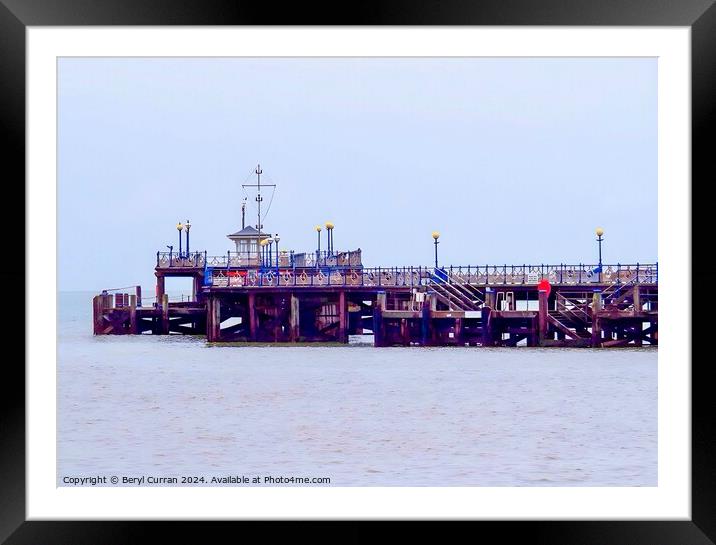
x: 404, y: 332
x: 636, y: 296
x: 458, y: 332
x: 596, y: 321
x: 378, y: 329
x: 533, y: 337
x: 213, y: 319
x: 294, y: 325
x: 97, y: 310
x: 133, y: 329
x: 138, y: 292
x: 596, y: 331
x: 253, y: 318
x: 486, y: 326
x: 342, y: 318
x: 490, y: 297
x: 165, y: 314
x: 542, y: 316
x: 425, y: 321
x: 195, y: 287
x: 160, y: 288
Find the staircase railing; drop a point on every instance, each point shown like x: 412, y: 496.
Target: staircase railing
x: 571, y: 308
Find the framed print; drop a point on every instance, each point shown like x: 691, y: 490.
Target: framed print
x: 459, y: 319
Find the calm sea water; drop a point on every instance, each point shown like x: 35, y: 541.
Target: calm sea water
x: 173, y: 406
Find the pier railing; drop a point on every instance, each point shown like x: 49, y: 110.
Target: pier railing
x: 174, y: 260
x: 167, y: 260
x: 481, y: 275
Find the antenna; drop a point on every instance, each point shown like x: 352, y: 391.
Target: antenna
x: 243, y: 213
x: 259, y: 198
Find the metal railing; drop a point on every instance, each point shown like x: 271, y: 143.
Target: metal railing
x: 266, y: 260
x: 173, y: 259
x: 482, y: 275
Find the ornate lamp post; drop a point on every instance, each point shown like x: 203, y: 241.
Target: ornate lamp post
x: 187, y: 226
x: 318, y: 252
x: 270, y: 255
x: 277, y: 238
x: 179, y: 228
x: 329, y: 228
x: 263, y: 244
x: 599, y: 233
x: 436, y: 236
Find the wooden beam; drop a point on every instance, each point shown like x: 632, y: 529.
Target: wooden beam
x: 636, y: 296
x: 596, y: 331
x: 133, y: 315
x: 378, y: 325
x: 165, y: 314
x: 160, y: 287
x: 253, y: 318
x: 342, y: 318
x: 294, y: 319
x: 543, y: 314
x: 97, y: 314
x: 487, y: 326
x: 458, y: 331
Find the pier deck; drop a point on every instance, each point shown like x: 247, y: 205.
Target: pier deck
x: 427, y: 306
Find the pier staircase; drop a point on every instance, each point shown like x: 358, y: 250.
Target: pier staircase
x: 571, y: 316
x: 621, y: 295
x: 455, y: 292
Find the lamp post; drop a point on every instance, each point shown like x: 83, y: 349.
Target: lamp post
x: 329, y: 228
x: 599, y: 233
x: 436, y: 236
x: 276, y: 238
x: 179, y: 228
x: 318, y: 252
x: 270, y: 255
x: 263, y: 243
x: 187, y: 226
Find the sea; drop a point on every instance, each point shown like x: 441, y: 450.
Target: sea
x: 176, y: 411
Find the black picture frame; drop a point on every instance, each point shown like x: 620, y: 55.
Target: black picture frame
x: 17, y: 15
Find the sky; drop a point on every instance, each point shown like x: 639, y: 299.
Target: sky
x: 512, y: 160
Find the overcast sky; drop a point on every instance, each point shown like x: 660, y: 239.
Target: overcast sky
x: 512, y: 160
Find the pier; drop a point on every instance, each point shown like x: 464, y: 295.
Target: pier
x: 329, y: 298
x: 258, y: 293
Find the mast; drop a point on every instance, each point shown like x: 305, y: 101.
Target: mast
x: 259, y: 198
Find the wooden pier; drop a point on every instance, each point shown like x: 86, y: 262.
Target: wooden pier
x: 323, y: 301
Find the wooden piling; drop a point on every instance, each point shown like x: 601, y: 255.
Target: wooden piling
x: 138, y: 293
x: 636, y: 296
x: 404, y: 332
x: 533, y: 336
x: 487, y: 326
x: 596, y: 331
x: 97, y: 310
x: 425, y: 321
x: 294, y: 325
x: 133, y: 328
x: 543, y: 313
x: 490, y: 297
x: 253, y: 318
x: 213, y: 333
x: 458, y: 332
x: 342, y: 318
x: 160, y: 288
x: 165, y: 314
x: 378, y: 326
x: 596, y: 322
